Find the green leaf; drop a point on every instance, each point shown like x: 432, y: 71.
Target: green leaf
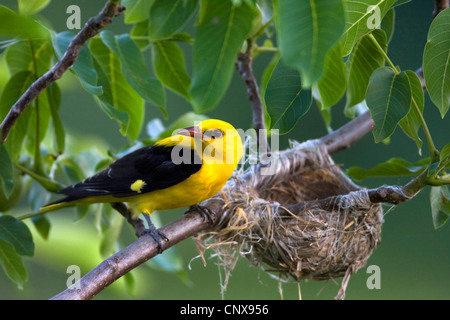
x: 54, y: 100
x: 307, y: 30
x: 71, y: 169
x: 40, y: 116
x: 389, y: 99
x: 119, y: 100
x: 432, y: 169
x: 436, y: 62
x: 264, y: 81
x: 137, y: 10
x: 7, y: 43
x: 17, y: 233
x: 400, y: 2
x: 83, y: 67
x: 15, y: 87
x: 29, y: 7
x: 130, y: 283
x: 362, y: 62
x: 20, y: 26
x: 440, y: 205
x: 111, y: 235
x: 121, y: 117
x: 42, y: 180
x: 167, y: 17
x: 6, y: 172
x: 32, y: 55
x: 139, y: 32
x: 388, y: 24
x: 333, y: 83
x: 38, y: 195
x: 42, y: 225
x: 285, y: 98
x: 361, y: 20
x: 444, y: 156
x: 170, y: 67
x: 12, y: 264
x: 134, y: 68
x: 411, y: 123
x: 222, y: 29
x: 394, y: 167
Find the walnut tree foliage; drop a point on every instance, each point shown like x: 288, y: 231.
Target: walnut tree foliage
x: 323, y: 51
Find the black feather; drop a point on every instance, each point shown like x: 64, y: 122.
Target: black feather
x: 152, y: 164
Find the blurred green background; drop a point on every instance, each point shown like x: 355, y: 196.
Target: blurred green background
x: 414, y: 259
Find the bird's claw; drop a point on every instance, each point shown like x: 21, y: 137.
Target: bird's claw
x: 205, y: 212
x: 157, y: 235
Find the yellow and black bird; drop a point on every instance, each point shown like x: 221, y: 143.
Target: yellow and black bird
x: 178, y: 171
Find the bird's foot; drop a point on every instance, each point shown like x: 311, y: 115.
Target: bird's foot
x: 157, y: 235
x: 205, y: 212
x: 137, y: 224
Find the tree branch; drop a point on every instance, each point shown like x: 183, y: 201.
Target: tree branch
x: 137, y: 253
x: 439, y: 5
x: 90, y: 29
x: 348, y: 134
x: 244, y: 65
x: 385, y: 194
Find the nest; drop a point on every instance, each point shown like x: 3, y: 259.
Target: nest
x: 316, y: 243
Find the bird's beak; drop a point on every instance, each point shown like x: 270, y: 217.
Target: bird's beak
x: 191, y: 132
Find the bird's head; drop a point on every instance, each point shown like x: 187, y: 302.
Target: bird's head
x: 220, y: 141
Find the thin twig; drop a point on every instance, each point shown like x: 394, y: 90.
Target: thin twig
x: 244, y: 65
x: 348, y: 134
x: 419, y: 73
x: 384, y: 194
x: 439, y: 5
x: 90, y: 29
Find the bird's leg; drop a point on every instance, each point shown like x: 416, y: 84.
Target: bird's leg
x: 157, y: 235
x: 205, y: 212
x: 137, y: 224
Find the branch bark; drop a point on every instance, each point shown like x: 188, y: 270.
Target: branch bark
x: 439, y: 5
x: 135, y: 254
x: 90, y: 29
x: 348, y: 134
x: 384, y: 194
x: 244, y: 66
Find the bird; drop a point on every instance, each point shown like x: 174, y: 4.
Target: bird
x: 179, y: 171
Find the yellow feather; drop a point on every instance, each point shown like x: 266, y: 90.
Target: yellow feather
x: 137, y: 185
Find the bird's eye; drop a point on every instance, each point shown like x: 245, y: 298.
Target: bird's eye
x: 213, y: 134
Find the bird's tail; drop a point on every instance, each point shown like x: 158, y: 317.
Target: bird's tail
x: 63, y: 203
x: 59, y: 204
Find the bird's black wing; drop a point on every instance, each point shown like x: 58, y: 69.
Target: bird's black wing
x: 153, y: 165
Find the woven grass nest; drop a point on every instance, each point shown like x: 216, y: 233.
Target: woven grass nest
x: 315, y: 243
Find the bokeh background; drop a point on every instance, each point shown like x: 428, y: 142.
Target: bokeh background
x: 414, y: 259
